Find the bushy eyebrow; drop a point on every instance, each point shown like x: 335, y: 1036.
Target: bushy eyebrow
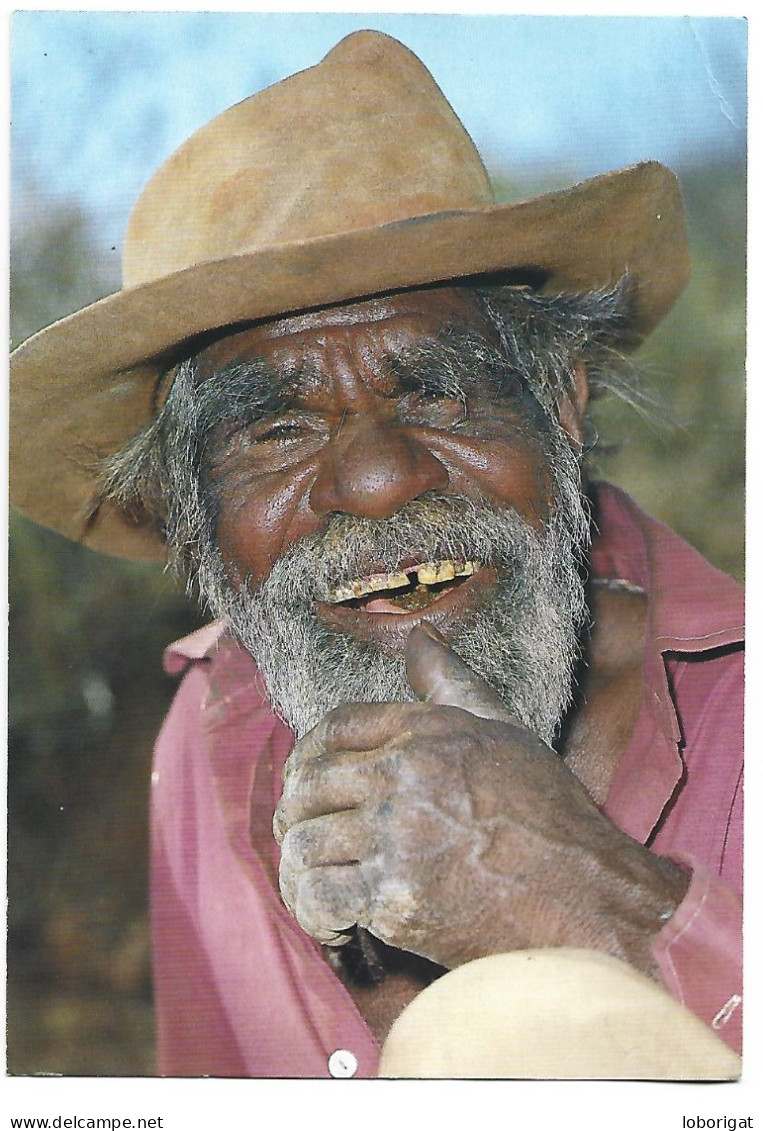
x: 457, y: 363
x: 245, y: 392
x: 424, y: 368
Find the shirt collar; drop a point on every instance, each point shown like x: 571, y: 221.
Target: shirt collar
x: 692, y: 608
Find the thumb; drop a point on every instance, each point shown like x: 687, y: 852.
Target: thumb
x: 437, y: 675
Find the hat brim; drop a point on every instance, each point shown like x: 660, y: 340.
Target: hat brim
x: 83, y: 386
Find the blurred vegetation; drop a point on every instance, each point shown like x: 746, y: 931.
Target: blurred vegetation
x: 87, y: 695
x: 86, y: 698
x: 686, y: 465
x: 87, y: 692
x: 683, y: 460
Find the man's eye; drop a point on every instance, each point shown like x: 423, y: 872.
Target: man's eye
x: 281, y: 430
x: 431, y: 396
x: 437, y: 403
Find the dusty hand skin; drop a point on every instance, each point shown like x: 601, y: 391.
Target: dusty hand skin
x: 441, y: 826
x: 455, y: 836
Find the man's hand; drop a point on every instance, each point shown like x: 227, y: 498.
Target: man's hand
x: 447, y: 829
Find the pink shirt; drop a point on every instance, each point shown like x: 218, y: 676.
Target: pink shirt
x: 241, y: 990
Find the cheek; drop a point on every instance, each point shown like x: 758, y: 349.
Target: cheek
x: 521, y: 478
x: 258, y: 521
x: 512, y: 474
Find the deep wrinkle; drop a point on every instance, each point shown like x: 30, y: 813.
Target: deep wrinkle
x: 433, y: 390
x: 543, y: 338
x: 452, y: 366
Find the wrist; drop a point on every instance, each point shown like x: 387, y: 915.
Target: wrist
x: 648, y: 903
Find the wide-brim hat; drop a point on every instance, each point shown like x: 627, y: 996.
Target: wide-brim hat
x: 349, y: 179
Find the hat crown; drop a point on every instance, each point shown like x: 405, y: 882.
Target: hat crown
x: 362, y: 139
x: 351, y: 179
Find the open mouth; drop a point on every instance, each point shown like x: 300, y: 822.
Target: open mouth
x: 403, y: 590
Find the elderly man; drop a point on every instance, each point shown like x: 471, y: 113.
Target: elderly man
x: 347, y: 393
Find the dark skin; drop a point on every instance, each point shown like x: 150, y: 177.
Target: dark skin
x: 443, y: 827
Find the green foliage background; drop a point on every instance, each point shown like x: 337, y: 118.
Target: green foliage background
x: 87, y: 692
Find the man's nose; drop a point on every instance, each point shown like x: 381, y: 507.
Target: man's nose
x: 372, y: 467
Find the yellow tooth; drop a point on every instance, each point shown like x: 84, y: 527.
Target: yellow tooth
x: 394, y: 580
x: 360, y: 587
x: 341, y: 593
x: 430, y: 573
x: 427, y: 573
x: 347, y: 591
x: 446, y: 571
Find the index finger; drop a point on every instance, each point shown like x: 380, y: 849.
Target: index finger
x: 360, y: 727
x: 329, y: 785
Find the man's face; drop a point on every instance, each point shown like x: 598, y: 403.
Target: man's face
x: 358, y: 438
x: 381, y: 480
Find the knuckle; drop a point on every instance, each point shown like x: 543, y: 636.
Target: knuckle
x: 292, y: 855
x: 393, y: 909
x: 287, y: 886
x: 304, y: 752
x: 280, y: 824
x: 295, y: 788
x: 320, y: 909
x: 282, y: 818
x: 332, y: 724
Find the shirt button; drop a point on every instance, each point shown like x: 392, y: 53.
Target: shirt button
x: 343, y: 1063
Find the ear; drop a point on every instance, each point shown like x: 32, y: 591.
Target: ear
x: 571, y: 406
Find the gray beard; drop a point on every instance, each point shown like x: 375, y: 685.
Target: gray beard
x: 523, y: 640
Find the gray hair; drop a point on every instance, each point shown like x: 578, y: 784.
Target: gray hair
x: 159, y: 477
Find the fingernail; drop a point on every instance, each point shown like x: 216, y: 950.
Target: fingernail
x: 432, y: 632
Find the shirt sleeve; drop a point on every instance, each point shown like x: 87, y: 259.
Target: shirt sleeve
x: 699, y: 952
x: 193, y: 1034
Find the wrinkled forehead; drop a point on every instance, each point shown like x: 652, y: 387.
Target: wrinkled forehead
x: 394, y: 322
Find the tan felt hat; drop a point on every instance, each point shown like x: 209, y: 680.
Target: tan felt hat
x: 562, y: 1014
x: 349, y: 179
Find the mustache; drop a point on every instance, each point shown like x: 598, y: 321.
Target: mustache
x: 430, y: 528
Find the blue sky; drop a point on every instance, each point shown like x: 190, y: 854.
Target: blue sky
x: 99, y: 99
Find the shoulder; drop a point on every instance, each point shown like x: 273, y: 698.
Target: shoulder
x: 694, y: 608
x: 219, y: 678
x: 203, y: 644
